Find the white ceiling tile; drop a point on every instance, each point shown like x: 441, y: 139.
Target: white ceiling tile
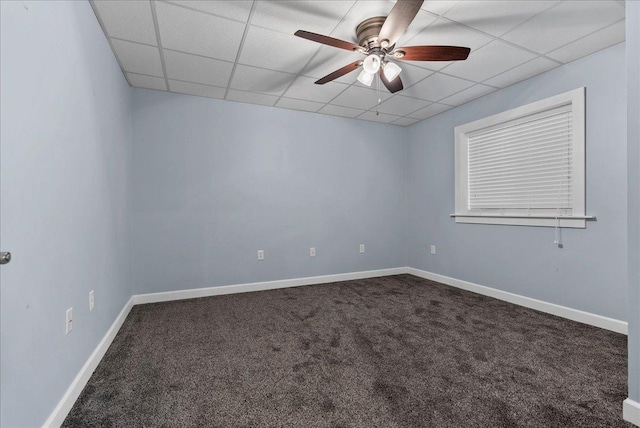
x: 304, y: 88
x: 147, y: 82
x: 253, y: 79
x: 382, y: 117
x: 524, y: 71
x: 196, y: 89
x: 496, y: 17
x: 601, y: 39
x: 293, y: 104
x: 405, y: 121
x: 436, y: 87
x: 130, y: 20
x: 439, y: 7
x: 198, y: 33
x: 418, y: 25
x: 447, y: 33
x: 359, y: 97
x: 288, y: 17
x: 468, y: 94
x: 411, y: 74
x: 276, y: 51
x: 490, y: 60
x: 331, y: 59
x: 565, y: 23
x: 232, y: 9
x: 430, y: 110
x: 251, y: 98
x: 197, y: 69
x: 137, y: 58
x: 340, y: 111
x: 401, y: 106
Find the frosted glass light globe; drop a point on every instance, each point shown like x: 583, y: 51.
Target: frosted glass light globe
x: 371, y: 64
x: 391, y: 71
x: 365, y: 78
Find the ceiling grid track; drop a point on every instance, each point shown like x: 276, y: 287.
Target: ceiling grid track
x: 159, y: 40
x: 104, y: 30
x: 244, y: 37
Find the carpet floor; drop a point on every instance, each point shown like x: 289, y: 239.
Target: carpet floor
x: 398, y: 351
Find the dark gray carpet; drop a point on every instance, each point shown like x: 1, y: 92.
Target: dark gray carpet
x: 397, y: 351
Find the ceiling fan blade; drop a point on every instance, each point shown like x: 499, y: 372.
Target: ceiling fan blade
x: 326, y: 40
x: 431, y: 53
x: 398, y: 21
x: 394, y: 86
x: 339, y: 73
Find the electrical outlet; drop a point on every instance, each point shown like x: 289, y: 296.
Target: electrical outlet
x: 361, y: 248
x: 433, y: 249
x: 92, y: 302
x: 260, y: 254
x: 69, y: 321
x: 312, y: 251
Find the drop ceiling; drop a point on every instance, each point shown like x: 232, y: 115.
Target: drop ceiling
x: 245, y: 50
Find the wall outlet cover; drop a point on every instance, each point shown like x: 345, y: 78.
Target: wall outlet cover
x: 68, y: 321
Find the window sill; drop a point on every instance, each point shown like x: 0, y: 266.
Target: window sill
x: 578, y: 222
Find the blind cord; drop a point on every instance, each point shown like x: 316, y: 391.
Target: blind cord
x: 557, y: 231
x: 557, y: 240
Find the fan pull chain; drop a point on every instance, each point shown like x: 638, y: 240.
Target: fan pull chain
x: 379, y: 99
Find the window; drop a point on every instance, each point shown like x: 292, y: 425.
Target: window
x: 525, y: 166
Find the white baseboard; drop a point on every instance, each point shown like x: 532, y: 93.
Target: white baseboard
x: 631, y: 408
x: 539, y: 305
x: 631, y: 411
x: 61, y: 411
x: 260, y: 286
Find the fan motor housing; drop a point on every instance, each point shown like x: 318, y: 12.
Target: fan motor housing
x: 367, y: 32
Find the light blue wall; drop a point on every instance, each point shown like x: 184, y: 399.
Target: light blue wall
x: 633, y: 166
x: 65, y: 158
x: 590, y: 272
x: 215, y: 181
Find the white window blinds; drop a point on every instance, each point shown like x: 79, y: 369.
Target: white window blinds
x: 525, y: 164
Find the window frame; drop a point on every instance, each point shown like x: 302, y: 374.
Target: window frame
x: 577, y: 218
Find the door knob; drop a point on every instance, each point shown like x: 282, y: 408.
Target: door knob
x: 5, y: 258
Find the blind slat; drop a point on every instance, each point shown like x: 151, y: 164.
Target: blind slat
x: 539, y: 159
x: 480, y: 145
x: 523, y: 144
x: 534, y: 174
x: 532, y: 124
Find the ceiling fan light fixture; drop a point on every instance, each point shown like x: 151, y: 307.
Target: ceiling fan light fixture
x: 371, y: 64
x: 377, y: 37
x: 391, y: 71
x: 365, y: 78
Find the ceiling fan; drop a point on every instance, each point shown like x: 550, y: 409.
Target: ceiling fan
x: 377, y: 38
